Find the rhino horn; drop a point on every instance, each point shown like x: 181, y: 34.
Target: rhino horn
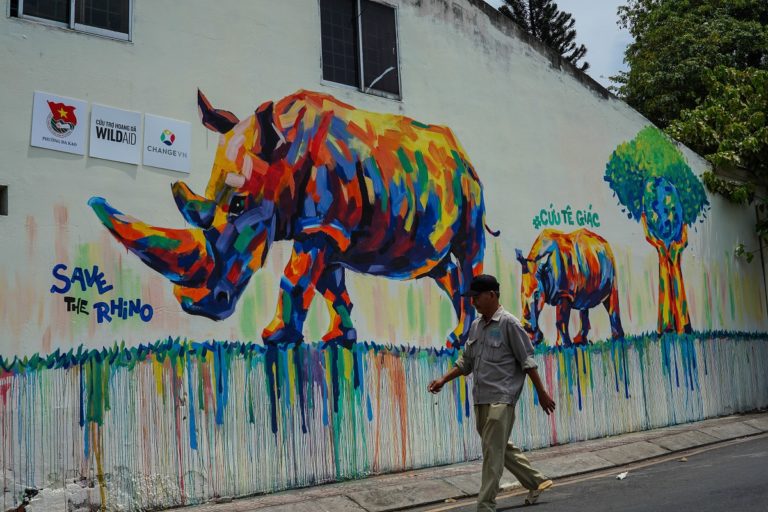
x: 181, y: 255
x: 197, y: 210
x: 214, y: 119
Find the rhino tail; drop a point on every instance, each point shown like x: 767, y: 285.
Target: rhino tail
x: 490, y: 231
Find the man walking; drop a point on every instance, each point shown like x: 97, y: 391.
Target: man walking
x: 500, y: 355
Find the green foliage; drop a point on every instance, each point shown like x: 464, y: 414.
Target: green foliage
x: 741, y: 252
x: 729, y: 128
x: 738, y: 193
x: 678, y: 42
x: 651, y: 154
x: 699, y: 68
x: 543, y: 20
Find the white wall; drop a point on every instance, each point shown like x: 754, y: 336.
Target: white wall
x: 537, y: 135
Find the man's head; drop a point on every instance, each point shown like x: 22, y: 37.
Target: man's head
x: 484, y: 293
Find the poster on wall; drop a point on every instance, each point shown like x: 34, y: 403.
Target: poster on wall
x: 58, y: 123
x: 115, y: 134
x: 166, y: 143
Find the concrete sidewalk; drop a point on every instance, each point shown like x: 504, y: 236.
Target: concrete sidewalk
x: 433, y: 485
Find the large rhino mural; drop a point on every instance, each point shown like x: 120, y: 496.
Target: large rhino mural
x: 379, y: 194
x: 569, y: 271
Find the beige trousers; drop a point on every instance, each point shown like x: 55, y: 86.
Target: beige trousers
x: 494, y: 424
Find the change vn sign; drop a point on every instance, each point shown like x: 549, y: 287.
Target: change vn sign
x: 167, y: 143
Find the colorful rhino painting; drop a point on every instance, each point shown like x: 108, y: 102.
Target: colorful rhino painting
x: 569, y: 271
x: 378, y: 194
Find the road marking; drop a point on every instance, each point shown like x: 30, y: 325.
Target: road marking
x: 560, y: 482
x: 750, y: 455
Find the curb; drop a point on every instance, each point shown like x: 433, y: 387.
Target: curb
x: 423, y: 487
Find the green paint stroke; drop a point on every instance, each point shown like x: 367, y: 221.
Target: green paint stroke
x: 410, y: 305
x: 404, y: 161
x: 445, y: 316
x: 97, y: 374
x: 161, y: 242
x: 247, y: 325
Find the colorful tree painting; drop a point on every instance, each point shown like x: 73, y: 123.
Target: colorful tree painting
x: 654, y: 183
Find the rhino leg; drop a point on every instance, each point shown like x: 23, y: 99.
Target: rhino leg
x: 446, y: 275
x: 582, y: 337
x: 297, y: 288
x: 332, y: 287
x: 612, y: 306
x: 563, y: 317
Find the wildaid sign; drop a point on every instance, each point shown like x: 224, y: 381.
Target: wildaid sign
x: 115, y: 134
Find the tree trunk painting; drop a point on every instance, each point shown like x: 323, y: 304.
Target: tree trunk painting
x: 673, y: 305
x: 662, y: 220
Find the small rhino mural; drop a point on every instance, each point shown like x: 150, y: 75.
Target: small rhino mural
x: 569, y: 271
x: 377, y: 194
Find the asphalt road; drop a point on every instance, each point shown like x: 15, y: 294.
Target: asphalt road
x: 729, y: 477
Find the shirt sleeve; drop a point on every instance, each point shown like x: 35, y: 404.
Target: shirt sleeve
x: 521, y: 344
x: 465, y: 361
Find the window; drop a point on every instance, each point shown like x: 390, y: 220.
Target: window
x: 111, y: 18
x: 3, y: 200
x: 360, y: 45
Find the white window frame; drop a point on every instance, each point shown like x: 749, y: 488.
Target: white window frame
x: 79, y: 27
x: 361, y: 65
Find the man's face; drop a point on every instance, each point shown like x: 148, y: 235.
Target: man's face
x: 485, y: 303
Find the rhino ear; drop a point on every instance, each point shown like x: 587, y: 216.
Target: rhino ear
x: 270, y: 136
x: 195, y: 209
x: 216, y: 120
x: 523, y: 261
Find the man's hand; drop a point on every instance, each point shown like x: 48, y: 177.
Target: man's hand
x: 546, y: 402
x: 436, y: 385
x: 544, y: 399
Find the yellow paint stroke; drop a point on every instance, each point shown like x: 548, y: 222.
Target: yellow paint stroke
x: 157, y: 370
x: 348, y: 361
x: 96, y: 436
x: 583, y: 369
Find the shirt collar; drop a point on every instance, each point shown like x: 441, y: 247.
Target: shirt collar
x: 496, y: 316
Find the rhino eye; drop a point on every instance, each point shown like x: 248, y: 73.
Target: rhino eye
x: 236, y: 205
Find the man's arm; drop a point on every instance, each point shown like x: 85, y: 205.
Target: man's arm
x: 463, y: 366
x: 545, y: 400
x: 523, y: 350
x: 436, y: 385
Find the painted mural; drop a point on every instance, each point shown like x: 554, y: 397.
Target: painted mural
x: 374, y: 193
x: 654, y: 183
x: 372, y: 199
x: 569, y: 271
